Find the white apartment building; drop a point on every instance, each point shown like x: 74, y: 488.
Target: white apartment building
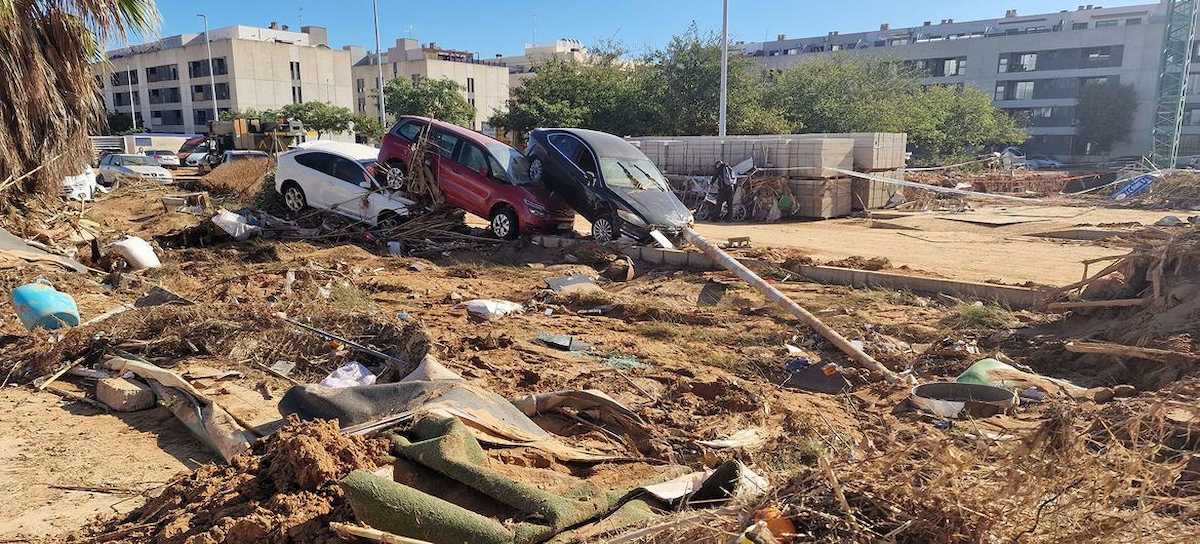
x: 166, y: 83
x: 1030, y: 64
x: 484, y: 83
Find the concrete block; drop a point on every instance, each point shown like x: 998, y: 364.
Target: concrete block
x: 124, y: 395
x: 699, y: 261
x: 674, y: 257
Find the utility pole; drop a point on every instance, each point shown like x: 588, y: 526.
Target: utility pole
x: 212, y: 78
x: 379, y: 64
x: 724, y: 66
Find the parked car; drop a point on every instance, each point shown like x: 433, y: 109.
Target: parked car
x: 607, y: 180
x: 116, y: 168
x: 1042, y: 162
x: 479, y: 174
x: 166, y: 159
x: 214, y: 161
x: 339, y: 177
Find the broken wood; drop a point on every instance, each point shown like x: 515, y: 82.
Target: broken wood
x: 277, y: 374
x: 76, y: 397
x: 47, y: 380
x: 1131, y: 352
x: 375, y: 535
x: 1059, y: 307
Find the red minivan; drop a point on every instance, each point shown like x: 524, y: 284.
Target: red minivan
x: 481, y: 175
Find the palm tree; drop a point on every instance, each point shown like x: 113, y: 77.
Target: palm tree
x: 49, y: 97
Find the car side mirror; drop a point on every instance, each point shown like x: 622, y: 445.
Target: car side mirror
x: 590, y: 178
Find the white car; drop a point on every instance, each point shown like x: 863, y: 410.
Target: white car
x: 339, y: 177
x: 117, y: 168
x: 166, y: 159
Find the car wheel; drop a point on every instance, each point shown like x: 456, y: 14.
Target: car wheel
x: 504, y: 224
x: 536, y: 169
x: 395, y: 175
x: 604, y: 229
x: 293, y: 197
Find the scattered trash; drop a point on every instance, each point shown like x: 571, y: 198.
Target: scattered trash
x: 349, y: 375
x: 283, y: 368
x: 728, y: 480
x: 125, y: 395
x: 806, y: 375
x: 137, y: 252
x: 712, y: 293
x: 395, y: 249
x: 999, y: 374
x: 39, y: 304
x: 737, y: 242
x: 193, y: 203
x: 235, y: 225
x: 599, y: 310
x: 572, y: 284
x: 491, y: 308
x: 1135, y: 187
x: 403, y: 316
x: 625, y: 362
x: 781, y: 526
x: 962, y: 400
x: 82, y: 188
x: 563, y: 342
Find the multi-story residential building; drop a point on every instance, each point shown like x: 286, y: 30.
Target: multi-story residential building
x: 167, y: 84
x: 484, y: 83
x: 522, y: 67
x: 1032, y: 65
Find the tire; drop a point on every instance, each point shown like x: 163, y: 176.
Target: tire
x: 394, y: 179
x: 293, y: 197
x: 604, y: 229
x: 504, y: 224
x: 536, y: 170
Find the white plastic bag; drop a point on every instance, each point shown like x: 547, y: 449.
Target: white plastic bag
x: 235, y: 225
x: 137, y: 252
x: 350, y: 375
x: 491, y: 308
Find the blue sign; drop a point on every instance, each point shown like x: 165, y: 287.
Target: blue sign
x: 1136, y: 186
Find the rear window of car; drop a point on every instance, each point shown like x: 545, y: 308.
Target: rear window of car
x: 409, y: 130
x: 444, y: 143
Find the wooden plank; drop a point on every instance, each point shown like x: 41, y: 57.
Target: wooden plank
x: 1131, y: 352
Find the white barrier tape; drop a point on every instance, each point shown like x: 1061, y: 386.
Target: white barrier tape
x: 932, y: 188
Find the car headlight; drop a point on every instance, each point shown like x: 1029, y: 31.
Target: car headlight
x: 535, y: 208
x: 631, y: 218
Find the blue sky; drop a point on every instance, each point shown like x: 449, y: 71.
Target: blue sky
x: 503, y: 26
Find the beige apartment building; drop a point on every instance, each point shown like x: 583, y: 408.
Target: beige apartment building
x: 522, y: 67
x: 484, y: 83
x: 166, y: 83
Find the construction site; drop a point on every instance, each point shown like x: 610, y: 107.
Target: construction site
x: 259, y: 335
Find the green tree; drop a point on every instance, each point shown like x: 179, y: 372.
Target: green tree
x: 948, y: 122
x: 118, y: 123
x: 601, y: 93
x: 320, y: 117
x: 441, y: 99
x: 843, y: 93
x: 1105, y: 113
x: 50, y: 99
x: 368, y: 128
x: 682, y: 89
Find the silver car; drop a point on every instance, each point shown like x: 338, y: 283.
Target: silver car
x: 117, y: 168
x: 166, y: 159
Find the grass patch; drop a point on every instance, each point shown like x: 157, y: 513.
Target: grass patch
x: 585, y: 299
x: 980, y: 316
x: 350, y: 298
x: 659, y: 330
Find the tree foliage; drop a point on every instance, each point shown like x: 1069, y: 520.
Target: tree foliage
x: 320, y: 117
x: 368, y: 128
x: 120, y: 124
x: 1105, y: 113
x: 441, y: 99
x: 675, y: 91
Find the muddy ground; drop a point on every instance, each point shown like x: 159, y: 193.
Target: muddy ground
x: 701, y: 370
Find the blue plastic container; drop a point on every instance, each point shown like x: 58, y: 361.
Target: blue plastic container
x: 41, y: 305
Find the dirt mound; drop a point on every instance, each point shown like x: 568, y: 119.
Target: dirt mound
x: 285, y: 491
x: 862, y: 263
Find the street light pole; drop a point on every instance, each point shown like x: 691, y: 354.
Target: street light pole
x: 212, y: 78
x: 379, y: 63
x: 724, y: 66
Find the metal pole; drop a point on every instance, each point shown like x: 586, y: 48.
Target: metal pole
x: 212, y: 78
x: 725, y: 65
x: 379, y: 63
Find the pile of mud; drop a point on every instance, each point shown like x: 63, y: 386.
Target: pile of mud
x: 284, y: 491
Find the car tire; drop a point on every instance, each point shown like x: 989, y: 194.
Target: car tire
x: 395, y: 176
x: 293, y: 197
x: 536, y: 170
x: 605, y: 229
x: 504, y: 224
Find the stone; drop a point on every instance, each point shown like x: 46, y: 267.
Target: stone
x: 124, y: 395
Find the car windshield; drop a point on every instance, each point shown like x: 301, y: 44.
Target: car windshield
x: 134, y: 160
x: 636, y: 174
x: 509, y: 164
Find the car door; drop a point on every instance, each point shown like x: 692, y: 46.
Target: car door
x: 347, y: 189
x: 576, y: 158
x: 106, y: 166
x: 471, y: 170
x: 443, y: 147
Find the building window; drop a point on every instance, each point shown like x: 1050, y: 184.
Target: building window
x: 835, y: 47
x: 202, y: 117
x: 395, y: 70
x: 1095, y: 81
x: 898, y: 41
x: 360, y: 85
x: 120, y: 79
x: 297, y: 94
x: 470, y: 84
x: 166, y: 117
x: 1107, y: 24
x: 471, y: 101
x: 169, y: 95
x: 122, y: 99
x: 295, y: 69
x: 362, y: 105
x: 199, y: 68
x: 1024, y: 90
x: 166, y: 72
x: 1001, y: 91
x: 200, y: 93
x: 1028, y: 62
x: 1079, y: 26
x: 1003, y: 69
x: 1133, y: 21
x: 1097, y: 55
